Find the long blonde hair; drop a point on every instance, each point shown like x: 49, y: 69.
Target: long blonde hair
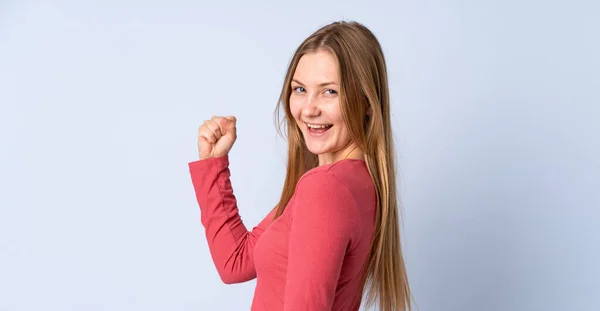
x: 365, y: 107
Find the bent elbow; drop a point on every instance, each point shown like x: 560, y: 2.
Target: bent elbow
x: 228, y: 277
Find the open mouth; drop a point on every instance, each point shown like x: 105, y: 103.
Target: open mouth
x: 318, y: 128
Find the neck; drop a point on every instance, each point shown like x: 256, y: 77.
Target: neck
x: 349, y: 152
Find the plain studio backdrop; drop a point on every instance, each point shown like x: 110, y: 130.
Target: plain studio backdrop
x: 496, y: 119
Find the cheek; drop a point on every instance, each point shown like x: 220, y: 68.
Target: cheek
x: 295, y: 108
x: 342, y: 131
x: 335, y: 115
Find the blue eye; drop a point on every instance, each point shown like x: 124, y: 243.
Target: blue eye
x: 332, y: 91
x: 299, y: 89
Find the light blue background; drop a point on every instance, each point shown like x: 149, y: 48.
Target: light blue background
x: 496, y: 115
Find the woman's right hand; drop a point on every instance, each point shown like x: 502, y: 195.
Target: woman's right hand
x: 216, y: 137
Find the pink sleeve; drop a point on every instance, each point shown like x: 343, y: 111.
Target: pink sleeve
x: 231, y: 245
x: 325, y: 224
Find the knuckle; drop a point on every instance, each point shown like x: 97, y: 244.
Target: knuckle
x: 202, y: 130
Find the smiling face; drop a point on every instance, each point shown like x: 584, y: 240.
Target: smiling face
x: 315, y: 105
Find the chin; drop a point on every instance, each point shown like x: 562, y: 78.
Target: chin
x: 314, y: 150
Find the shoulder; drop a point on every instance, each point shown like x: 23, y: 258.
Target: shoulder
x: 327, y: 189
x: 325, y: 178
x: 327, y: 198
x: 347, y: 176
x: 323, y: 203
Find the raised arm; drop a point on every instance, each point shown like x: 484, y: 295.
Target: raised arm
x: 231, y: 244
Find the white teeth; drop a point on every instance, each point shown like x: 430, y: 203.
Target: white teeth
x: 317, y: 126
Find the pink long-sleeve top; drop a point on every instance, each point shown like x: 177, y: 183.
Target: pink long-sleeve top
x: 312, y: 257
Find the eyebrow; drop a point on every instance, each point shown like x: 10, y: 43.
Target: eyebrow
x: 320, y: 84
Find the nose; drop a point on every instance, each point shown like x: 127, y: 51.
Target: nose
x: 311, y: 106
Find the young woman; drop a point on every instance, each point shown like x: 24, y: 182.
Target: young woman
x: 335, y: 231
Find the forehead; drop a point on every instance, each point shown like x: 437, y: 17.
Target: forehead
x: 317, y: 67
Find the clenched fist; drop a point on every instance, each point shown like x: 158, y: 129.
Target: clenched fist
x: 216, y: 137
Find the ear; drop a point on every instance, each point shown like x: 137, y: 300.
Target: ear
x: 370, y: 111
